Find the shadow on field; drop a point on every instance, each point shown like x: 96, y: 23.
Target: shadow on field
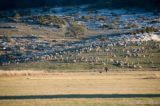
x: 78, y: 96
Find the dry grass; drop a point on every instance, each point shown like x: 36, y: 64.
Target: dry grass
x: 134, y: 82
x: 84, y: 102
x: 20, y: 73
x: 35, y: 83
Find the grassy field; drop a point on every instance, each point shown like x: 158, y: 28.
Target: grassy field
x: 120, y: 88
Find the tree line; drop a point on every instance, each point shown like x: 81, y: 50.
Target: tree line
x: 16, y: 4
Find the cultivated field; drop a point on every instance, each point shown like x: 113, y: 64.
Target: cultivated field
x: 79, y: 89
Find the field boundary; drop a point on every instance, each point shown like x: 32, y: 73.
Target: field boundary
x: 71, y: 96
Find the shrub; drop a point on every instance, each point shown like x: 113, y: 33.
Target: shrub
x: 49, y: 20
x: 75, y: 30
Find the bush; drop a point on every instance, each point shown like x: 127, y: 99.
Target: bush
x: 16, y: 15
x: 75, y: 30
x: 146, y: 30
x: 5, y: 38
x: 49, y: 20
